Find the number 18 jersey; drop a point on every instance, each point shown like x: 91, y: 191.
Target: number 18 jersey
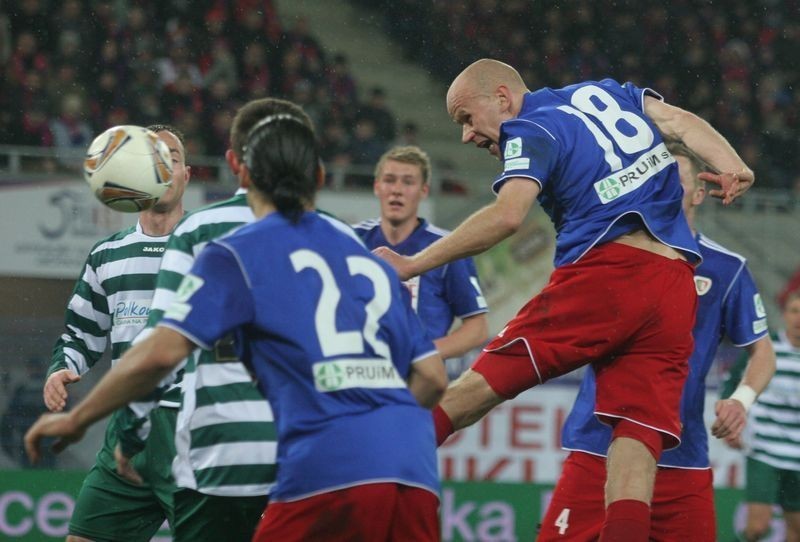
x: 330, y: 333
x: 602, y: 165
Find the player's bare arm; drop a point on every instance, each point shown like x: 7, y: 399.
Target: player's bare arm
x: 428, y: 380
x: 481, y: 231
x: 55, y: 389
x: 473, y: 332
x: 468, y: 399
x: 138, y: 372
x: 732, y: 412
x: 734, y: 178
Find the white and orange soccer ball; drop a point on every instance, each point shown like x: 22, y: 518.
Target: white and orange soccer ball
x: 128, y: 168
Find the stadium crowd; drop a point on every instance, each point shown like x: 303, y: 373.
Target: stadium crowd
x: 733, y: 63
x: 70, y: 69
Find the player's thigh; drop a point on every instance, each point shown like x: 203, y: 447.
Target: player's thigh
x: 154, y: 463
x: 789, y: 491
x: 792, y: 521
x: 683, y: 506
x: 109, y: 508
x: 763, y: 482
x: 577, y: 508
x: 209, y: 517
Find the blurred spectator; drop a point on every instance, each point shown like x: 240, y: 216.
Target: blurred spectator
x: 70, y: 131
x: 376, y: 110
x: 409, y: 135
x: 23, y: 409
x: 186, y: 63
x: 365, y: 149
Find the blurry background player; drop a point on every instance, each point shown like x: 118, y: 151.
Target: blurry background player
x: 683, y: 502
x: 225, y: 436
x: 346, y: 380
x: 592, y: 155
x: 402, y: 181
x: 773, y: 434
x: 111, y: 301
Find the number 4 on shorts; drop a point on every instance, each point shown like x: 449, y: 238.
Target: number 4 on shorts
x: 562, y: 521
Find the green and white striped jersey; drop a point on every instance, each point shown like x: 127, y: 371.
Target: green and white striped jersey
x: 225, y: 435
x: 775, y: 417
x: 112, y: 301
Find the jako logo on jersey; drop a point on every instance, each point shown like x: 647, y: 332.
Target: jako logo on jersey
x: 634, y: 176
x: 153, y: 249
x: 513, y: 148
x: 702, y: 284
x: 343, y: 374
x: 131, y: 312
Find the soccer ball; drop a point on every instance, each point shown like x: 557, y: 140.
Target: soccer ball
x: 128, y: 168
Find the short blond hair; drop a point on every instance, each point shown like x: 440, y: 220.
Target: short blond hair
x: 409, y: 154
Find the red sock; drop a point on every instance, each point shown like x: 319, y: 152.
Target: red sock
x: 627, y: 520
x: 443, y: 425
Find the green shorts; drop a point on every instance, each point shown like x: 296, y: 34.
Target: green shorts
x: 771, y: 485
x: 109, y: 508
x: 208, y: 517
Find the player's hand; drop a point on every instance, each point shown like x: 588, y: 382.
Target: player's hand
x: 735, y: 442
x: 731, y: 185
x: 731, y: 419
x: 401, y: 264
x: 63, y: 426
x: 125, y: 467
x: 55, y: 389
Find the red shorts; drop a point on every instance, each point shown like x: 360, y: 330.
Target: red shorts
x: 384, y: 511
x: 682, y: 507
x: 626, y: 311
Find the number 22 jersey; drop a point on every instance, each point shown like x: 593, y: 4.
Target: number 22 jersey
x: 602, y: 165
x: 330, y: 333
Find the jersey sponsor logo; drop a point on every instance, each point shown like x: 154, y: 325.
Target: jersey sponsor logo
x: 513, y: 148
x: 131, y: 312
x: 760, y: 326
x: 517, y: 163
x: 153, y: 249
x: 702, y: 284
x: 761, y: 312
x: 343, y: 374
x: 634, y: 176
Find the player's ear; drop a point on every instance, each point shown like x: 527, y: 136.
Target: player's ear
x: 505, y: 98
x: 233, y: 161
x: 699, y: 195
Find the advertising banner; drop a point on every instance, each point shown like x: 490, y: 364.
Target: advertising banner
x: 47, y: 228
x: 35, y: 506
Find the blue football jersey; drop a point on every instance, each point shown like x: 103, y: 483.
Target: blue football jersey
x: 602, y: 165
x: 728, y: 305
x: 330, y: 334
x: 441, y: 294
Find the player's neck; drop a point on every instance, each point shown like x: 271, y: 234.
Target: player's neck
x: 397, y: 233
x: 157, y: 224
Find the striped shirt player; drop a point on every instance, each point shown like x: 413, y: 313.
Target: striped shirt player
x: 775, y: 416
x: 296, y: 295
x: 111, y: 303
x: 440, y: 295
x: 729, y: 305
x: 773, y: 434
x: 225, y: 435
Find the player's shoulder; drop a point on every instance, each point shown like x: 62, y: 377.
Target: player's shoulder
x: 367, y: 225
x: 711, y: 249
x: 432, y: 230
x: 115, y: 240
x: 233, y: 210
